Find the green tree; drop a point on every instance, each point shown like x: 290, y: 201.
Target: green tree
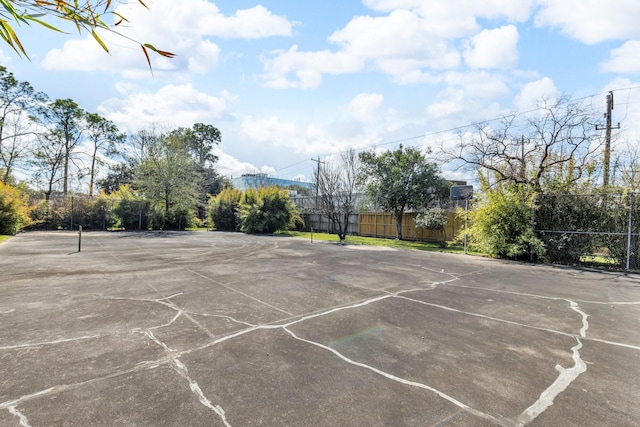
x: 199, y: 141
x: 267, y: 210
x: 401, y: 180
x: 168, y: 177
x: 17, y: 101
x: 131, y: 209
x: 65, y: 121
x: 86, y: 16
x: 223, y: 209
x: 104, y: 137
x: 47, y: 161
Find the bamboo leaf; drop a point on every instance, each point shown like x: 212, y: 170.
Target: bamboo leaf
x: 160, y: 52
x: 146, y: 54
x: 99, y: 40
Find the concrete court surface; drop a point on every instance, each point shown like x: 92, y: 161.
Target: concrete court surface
x: 225, y: 329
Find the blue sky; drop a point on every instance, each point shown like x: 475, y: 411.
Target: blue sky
x: 286, y: 80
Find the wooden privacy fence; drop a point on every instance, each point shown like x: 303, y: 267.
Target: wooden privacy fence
x: 379, y: 224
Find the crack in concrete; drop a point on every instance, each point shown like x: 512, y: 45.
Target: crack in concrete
x: 43, y: 343
x: 565, y: 378
x: 400, y: 380
x: 182, y: 370
x: 23, y: 420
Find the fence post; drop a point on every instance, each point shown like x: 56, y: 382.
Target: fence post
x: 71, y: 225
x: 533, y: 224
x: 629, y: 230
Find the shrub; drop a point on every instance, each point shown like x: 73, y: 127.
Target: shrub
x: 14, y: 210
x: 501, y: 225
x: 223, y: 209
x: 267, y: 210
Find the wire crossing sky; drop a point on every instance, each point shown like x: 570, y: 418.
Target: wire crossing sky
x: 287, y: 81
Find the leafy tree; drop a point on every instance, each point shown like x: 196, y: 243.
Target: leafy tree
x: 337, y: 189
x: 223, y: 209
x: 47, y: 161
x: 65, y: 120
x: 86, y: 16
x: 14, y: 209
x: 104, y: 136
x: 501, y: 224
x: 17, y: 101
x: 199, y: 141
x: 401, y: 180
x: 267, y: 210
x: 120, y: 174
x: 131, y: 210
x: 169, y: 178
x: 435, y: 219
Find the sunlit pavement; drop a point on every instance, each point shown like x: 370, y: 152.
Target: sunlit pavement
x: 208, y: 328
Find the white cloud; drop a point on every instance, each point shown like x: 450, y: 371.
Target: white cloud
x: 624, y: 59
x: 175, y: 105
x: 591, y: 21
x: 254, y: 23
x: 496, y: 48
x: 463, y: 10
x: 412, y: 42
x: 308, y: 67
x: 179, y: 27
x: 479, y: 84
x: 532, y: 93
x: 229, y: 166
x: 364, y: 106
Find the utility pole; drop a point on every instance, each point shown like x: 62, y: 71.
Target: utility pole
x: 607, y: 139
x: 318, y: 161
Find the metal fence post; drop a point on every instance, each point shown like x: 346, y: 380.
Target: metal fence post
x: 629, y: 230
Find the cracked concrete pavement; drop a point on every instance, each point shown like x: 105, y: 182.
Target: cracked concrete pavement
x: 225, y: 329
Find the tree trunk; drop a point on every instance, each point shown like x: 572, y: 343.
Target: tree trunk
x: 398, y: 216
x: 93, y: 171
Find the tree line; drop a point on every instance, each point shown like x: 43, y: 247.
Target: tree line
x: 166, y: 178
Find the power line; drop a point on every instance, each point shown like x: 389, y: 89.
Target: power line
x: 472, y: 124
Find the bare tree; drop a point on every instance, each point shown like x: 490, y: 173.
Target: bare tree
x: 337, y: 190
x: 626, y: 166
x: 555, y: 146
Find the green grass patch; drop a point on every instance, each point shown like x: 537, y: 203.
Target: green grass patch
x: 372, y: 241
x: 598, y: 259
x: 4, y: 238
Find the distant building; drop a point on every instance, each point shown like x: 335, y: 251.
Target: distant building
x: 257, y: 180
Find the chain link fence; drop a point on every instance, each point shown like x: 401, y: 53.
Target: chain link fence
x: 601, y: 229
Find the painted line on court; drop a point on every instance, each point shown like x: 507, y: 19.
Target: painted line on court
x: 238, y: 292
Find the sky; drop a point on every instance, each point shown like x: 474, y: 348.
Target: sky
x: 290, y: 81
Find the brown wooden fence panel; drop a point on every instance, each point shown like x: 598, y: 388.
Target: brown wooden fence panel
x: 378, y: 224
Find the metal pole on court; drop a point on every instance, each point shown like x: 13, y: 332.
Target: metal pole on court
x: 466, y: 223
x: 629, y: 231
x: 79, y: 237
